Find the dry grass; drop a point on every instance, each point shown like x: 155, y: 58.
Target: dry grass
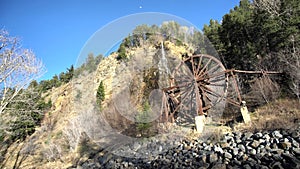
x: 279, y: 114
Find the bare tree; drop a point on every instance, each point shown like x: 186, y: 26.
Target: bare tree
x: 87, y: 122
x: 290, y: 57
x: 264, y: 90
x: 18, y: 67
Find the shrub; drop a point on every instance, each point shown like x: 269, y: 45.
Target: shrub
x: 143, y: 120
x: 21, y: 128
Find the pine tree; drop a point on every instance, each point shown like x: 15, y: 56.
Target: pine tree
x: 100, y: 93
x: 26, y: 113
x: 69, y: 74
x: 55, y: 81
x: 122, y: 52
x: 212, y: 33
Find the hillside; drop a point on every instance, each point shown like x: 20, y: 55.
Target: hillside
x: 75, y: 115
x: 136, y: 107
x: 77, y: 130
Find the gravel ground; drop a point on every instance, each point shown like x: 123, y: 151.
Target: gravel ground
x: 266, y: 150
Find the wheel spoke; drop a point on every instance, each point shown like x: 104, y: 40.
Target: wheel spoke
x: 207, y: 63
x: 210, y: 70
x: 205, y: 95
x: 183, y: 99
x: 176, y: 86
x: 198, y: 82
x: 199, y: 65
x: 182, y: 80
x: 211, y: 92
x: 213, y: 76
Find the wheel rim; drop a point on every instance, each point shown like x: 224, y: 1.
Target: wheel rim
x: 197, y: 86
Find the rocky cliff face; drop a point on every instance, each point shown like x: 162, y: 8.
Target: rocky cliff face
x: 128, y: 82
x: 75, y: 116
x: 117, y: 74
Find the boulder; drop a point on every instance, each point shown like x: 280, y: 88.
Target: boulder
x: 227, y: 155
x: 255, y: 144
x: 212, y: 158
x: 277, y: 134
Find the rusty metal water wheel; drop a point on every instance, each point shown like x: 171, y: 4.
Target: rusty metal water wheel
x: 196, y: 86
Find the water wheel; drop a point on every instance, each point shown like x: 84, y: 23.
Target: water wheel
x: 196, y: 86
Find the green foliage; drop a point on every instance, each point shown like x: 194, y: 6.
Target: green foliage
x: 21, y: 128
x: 33, y: 84
x: 247, y: 32
x: 100, y: 96
x: 45, y: 85
x: 69, y: 74
x: 62, y: 77
x: 42, y: 105
x: 26, y: 112
x: 127, y: 42
x: 237, y: 35
x: 66, y: 77
x: 143, y: 119
x: 2, y: 135
x: 122, y: 52
x: 212, y: 33
x: 171, y: 31
x: 249, y: 37
x: 55, y: 82
x: 178, y: 43
x: 90, y: 65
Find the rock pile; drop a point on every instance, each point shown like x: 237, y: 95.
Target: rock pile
x: 268, y: 149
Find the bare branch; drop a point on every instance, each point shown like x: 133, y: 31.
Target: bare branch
x: 290, y: 57
x: 264, y: 90
x: 18, y: 67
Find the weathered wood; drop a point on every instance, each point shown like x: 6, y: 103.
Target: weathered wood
x: 208, y: 72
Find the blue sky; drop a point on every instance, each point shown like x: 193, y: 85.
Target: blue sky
x: 57, y: 30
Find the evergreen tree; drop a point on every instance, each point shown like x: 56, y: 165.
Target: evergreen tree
x: 55, y: 81
x: 122, y: 52
x: 45, y: 85
x: 100, y: 96
x: 26, y: 113
x: 33, y: 84
x: 62, y: 77
x: 237, y: 36
x: 212, y: 33
x: 254, y: 35
x: 90, y: 63
x: 69, y: 74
